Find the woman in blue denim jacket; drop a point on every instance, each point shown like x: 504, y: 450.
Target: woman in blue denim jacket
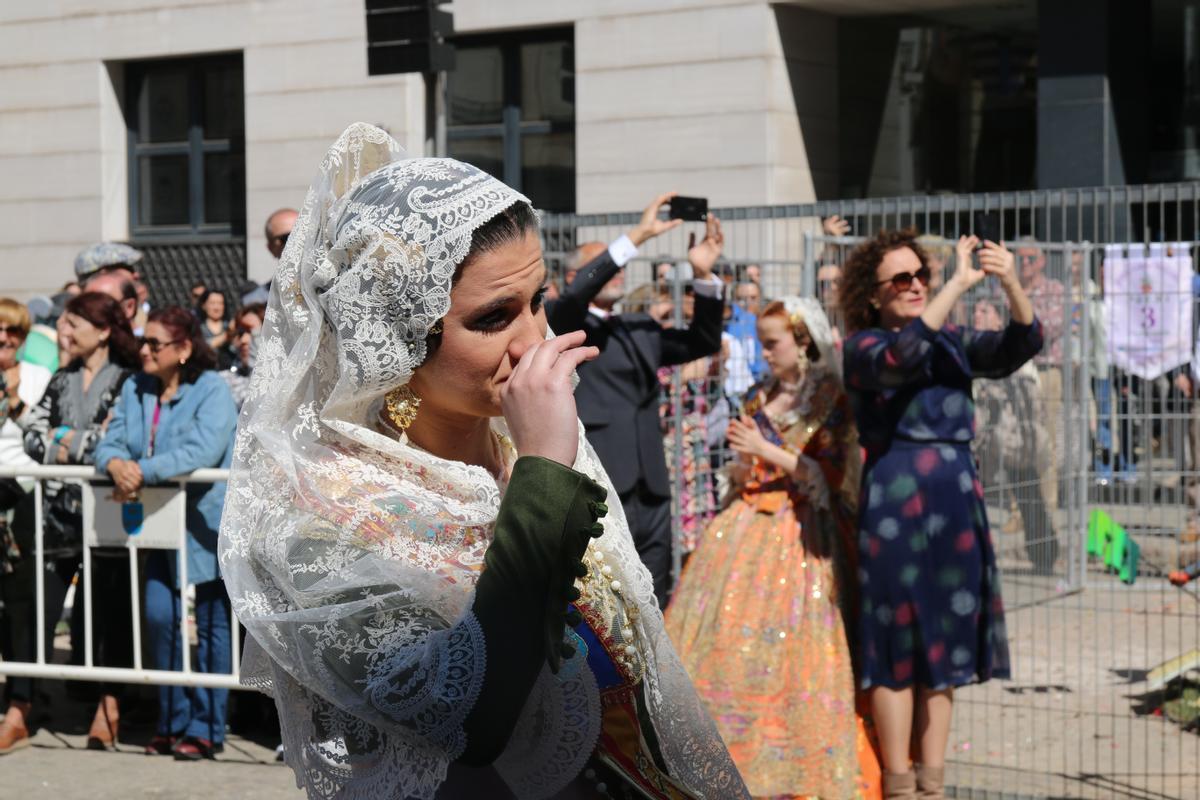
x: 176, y: 416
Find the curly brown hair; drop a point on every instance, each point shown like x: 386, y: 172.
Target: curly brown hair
x: 859, y: 278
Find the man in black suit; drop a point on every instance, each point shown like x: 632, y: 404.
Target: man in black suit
x: 618, y: 394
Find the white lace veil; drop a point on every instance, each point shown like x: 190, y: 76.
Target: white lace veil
x: 809, y: 310
x: 351, y: 558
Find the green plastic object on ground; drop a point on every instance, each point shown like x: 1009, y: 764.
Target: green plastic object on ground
x: 1130, y: 554
x: 41, y: 348
x: 1110, y: 543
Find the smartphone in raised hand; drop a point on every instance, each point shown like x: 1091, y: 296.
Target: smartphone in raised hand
x: 694, y: 209
x: 987, y: 227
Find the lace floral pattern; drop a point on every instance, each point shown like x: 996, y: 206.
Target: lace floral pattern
x: 351, y: 558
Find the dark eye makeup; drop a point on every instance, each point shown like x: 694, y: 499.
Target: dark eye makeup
x: 498, y: 319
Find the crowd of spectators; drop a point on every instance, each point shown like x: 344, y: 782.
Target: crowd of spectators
x: 100, y: 375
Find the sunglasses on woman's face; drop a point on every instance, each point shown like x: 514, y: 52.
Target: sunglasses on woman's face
x: 12, y: 331
x: 154, y: 344
x: 903, y: 281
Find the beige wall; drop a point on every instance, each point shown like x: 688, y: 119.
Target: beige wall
x: 62, y: 141
x: 730, y: 99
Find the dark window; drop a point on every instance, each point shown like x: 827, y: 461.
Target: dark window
x: 937, y: 108
x: 511, y: 111
x: 187, y: 161
x: 1173, y: 90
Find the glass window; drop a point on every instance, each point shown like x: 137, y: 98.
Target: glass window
x: 476, y: 87
x: 165, y: 110
x: 511, y: 112
x: 547, y: 87
x: 186, y: 120
x: 223, y: 107
x: 163, y: 190
x: 224, y: 182
x: 548, y: 170
x: 942, y: 104
x: 1174, y: 91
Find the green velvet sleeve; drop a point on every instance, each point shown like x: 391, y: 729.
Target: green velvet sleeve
x: 548, y: 514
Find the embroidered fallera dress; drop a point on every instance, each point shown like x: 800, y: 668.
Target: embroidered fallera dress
x: 627, y: 756
x: 759, y: 615
x: 931, y: 611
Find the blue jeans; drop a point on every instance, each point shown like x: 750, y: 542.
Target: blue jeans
x: 191, y: 711
x: 1102, y: 454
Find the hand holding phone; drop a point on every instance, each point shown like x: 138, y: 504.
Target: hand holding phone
x: 987, y: 227
x: 694, y: 209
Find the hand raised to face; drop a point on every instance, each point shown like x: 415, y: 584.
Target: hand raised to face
x: 539, y: 401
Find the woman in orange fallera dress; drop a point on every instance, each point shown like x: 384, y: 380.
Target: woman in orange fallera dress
x: 760, y: 615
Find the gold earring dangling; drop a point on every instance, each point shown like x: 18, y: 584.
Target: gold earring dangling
x: 402, y: 405
x: 802, y: 360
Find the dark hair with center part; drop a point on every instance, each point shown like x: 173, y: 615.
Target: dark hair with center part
x: 510, y: 225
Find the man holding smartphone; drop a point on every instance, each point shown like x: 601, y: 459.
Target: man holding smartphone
x: 618, y: 394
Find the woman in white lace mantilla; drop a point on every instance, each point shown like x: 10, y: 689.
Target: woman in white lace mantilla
x: 416, y: 534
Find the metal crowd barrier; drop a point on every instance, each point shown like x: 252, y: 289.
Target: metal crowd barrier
x: 159, y: 517
x: 1089, y: 648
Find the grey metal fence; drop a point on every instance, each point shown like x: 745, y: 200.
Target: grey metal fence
x: 1091, y: 710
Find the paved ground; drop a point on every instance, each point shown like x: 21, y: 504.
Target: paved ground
x: 1076, y: 720
x: 58, y: 766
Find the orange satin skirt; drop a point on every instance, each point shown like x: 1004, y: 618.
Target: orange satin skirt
x: 758, y: 620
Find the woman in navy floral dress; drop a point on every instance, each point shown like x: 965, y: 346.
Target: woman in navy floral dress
x: 931, y: 616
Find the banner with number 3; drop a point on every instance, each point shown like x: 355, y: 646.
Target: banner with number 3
x: 1148, y: 303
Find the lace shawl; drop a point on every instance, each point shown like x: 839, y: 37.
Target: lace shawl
x: 351, y: 558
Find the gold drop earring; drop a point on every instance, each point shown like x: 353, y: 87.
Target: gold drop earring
x: 401, y: 405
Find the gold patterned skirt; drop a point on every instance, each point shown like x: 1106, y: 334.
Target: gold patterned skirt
x: 757, y: 621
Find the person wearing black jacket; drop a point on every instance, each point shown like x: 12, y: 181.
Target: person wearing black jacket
x: 618, y: 393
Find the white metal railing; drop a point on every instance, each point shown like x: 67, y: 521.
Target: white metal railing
x: 170, y: 503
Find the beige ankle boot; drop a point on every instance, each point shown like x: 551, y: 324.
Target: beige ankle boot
x: 899, y: 786
x: 930, y: 782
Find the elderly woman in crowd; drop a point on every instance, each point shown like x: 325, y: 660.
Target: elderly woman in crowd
x: 64, y: 428
x: 174, y: 417
x: 23, y: 384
